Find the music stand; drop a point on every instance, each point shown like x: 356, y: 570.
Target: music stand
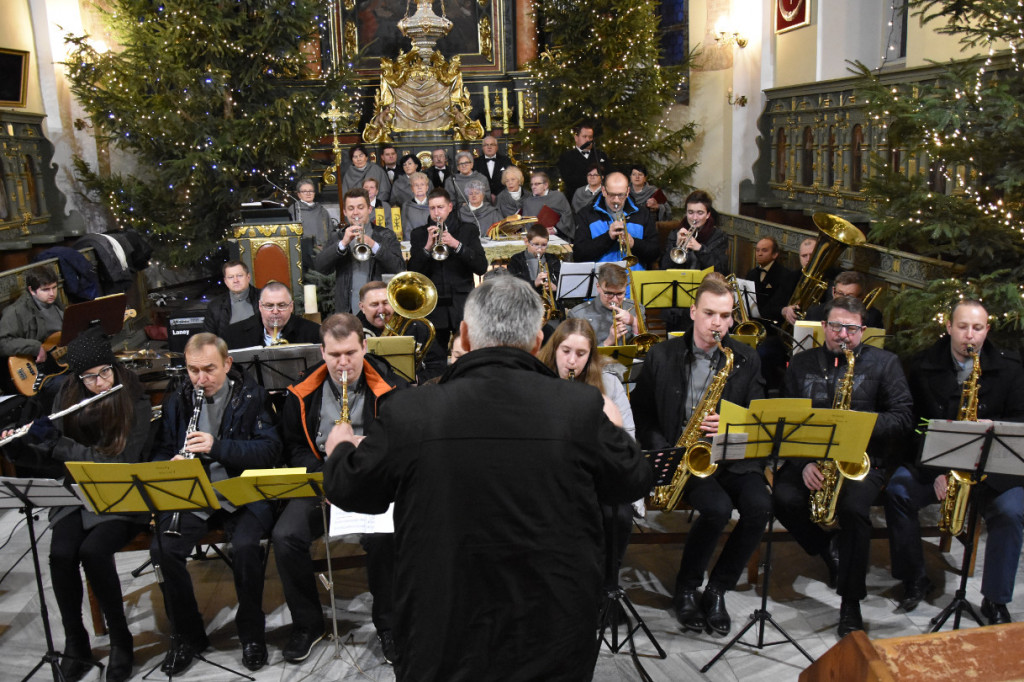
x: 784, y: 428
x: 106, y: 311
x: 31, y: 494
x: 277, y: 367
x: 153, y: 487
x: 660, y: 289
x: 970, y: 446
x: 399, y: 351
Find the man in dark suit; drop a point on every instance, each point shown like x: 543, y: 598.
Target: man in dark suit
x: 572, y: 164
x: 452, y: 276
x: 492, y: 164
x: 465, y: 467
x: 772, y: 281
x: 275, y: 323
x: 389, y: 162
x: 239, y: 302
x: 439, y: 171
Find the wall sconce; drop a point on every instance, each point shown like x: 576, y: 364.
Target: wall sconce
x: 740, y: 101
x: 726, y: 35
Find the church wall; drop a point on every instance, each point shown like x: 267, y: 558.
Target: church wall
x: 16, y: 34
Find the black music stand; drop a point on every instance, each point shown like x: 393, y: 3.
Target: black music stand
x: 968, y: 446
x: 31, y: 494
x: 796, y: 436
x: 277, y: 367
x: 616, y: 602
x: 153, y: 487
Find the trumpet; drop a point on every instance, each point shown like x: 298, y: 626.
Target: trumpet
x: 440, y: 251
x: 345, y: 418
x: 174, y: 527
x: 625, y: 251
x: 679, y: 254
x: 361, y: 251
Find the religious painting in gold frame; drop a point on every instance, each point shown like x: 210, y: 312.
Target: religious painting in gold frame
x: 369, y: 28
x: 13, y: 78
x: 791, y: 14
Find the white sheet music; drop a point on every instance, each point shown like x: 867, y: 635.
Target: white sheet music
x: 348, y: 523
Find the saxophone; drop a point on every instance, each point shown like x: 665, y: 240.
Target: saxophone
x: 823, y: 501
x: 345, y: 418
x: 953, y: 511
x: 697, y: 459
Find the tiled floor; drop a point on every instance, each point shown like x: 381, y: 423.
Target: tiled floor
x: 800, y: 603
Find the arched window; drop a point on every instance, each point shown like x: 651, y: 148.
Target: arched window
x: 856, y: 163
x: 780, y: 155
x: 807, y: 159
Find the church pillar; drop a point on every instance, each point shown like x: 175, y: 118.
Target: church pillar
x: 526, y: 33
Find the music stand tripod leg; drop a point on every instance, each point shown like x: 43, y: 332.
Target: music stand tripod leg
x: 330, y: 577
x: 960, y: 603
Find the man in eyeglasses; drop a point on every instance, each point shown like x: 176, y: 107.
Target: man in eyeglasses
x: 878, y: 386
x: 600, y: 226
x: 275, y: 323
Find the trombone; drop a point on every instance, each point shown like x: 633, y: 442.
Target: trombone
x: 412, y: 296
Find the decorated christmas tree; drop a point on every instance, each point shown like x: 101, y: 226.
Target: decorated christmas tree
x: 602, y: 62
x: 214, y: 100
x: 966, y: 207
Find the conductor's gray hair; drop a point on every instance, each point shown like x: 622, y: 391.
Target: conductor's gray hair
x: 475, y: 186
x: 504, y: 311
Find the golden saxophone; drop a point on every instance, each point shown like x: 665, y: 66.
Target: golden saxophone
x: 345, y: 418
x: 550, y: 306
x: 275, y: 336
x: 953, y: 511
x: 697, y: 459
x: 823, y: 501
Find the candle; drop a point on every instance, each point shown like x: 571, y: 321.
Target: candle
x: 504, y: 109
x: 309, y: 298
x: 520, y: 96
x: 487, y: 109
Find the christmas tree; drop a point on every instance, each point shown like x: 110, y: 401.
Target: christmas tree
x: 602, y: 62
x: 212, y: 99
x: 965, y: 208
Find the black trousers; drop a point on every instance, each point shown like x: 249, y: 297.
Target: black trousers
x: 94, y: 549
x: 714, y: 498
x: 792, y: 507
x: 293, y: 536
x: 245, y: 530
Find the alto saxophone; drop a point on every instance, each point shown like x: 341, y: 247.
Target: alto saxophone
x: 550, y: 306
x: 697, y: 459
x: 823, y: 501
x: 345, y: 418
x: 953, y: 511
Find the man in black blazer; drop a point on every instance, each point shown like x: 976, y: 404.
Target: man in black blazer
x: 452, y: 276
x: 440, y: 170
x: 492, y: 164
x: 772, y: 281
x: 572, y: 164
x: 275, y: 321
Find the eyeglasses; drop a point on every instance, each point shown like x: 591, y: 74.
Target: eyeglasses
x: 614, y: 294
x: 91, y: 379
x: 465, y: 163
x: 851, y: 329
x: 307, y: 191
x: 280, y: 307
x: 621, y: 195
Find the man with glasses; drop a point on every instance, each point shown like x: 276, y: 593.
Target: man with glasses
x: 878, y: 386
x: 542, y: 195
x: 275, y: 324
x: 600, y: 226
x: 316, y: 221
x: 439, y: 171
x: 848, y: 283
x: 612, y: 317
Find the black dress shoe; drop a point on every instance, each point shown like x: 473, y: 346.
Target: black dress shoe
x: 849, y: 617
x: 119, y: 666
x: 254, y: 655
x: 713, y: 603
x: 831, y: 558
x: 183, y: 650
x: 75, y: 663
x: 688, y: 611
x: 387, y: 646
x: 301, y: 643
x: 915, y: 592
x: 997, y: 614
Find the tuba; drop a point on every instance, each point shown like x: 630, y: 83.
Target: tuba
x: 823, y: 501
x: 836, y: 235
x: 953, y: 510
x: 697, y: 459
x: 744, y: 325
x: 412, y: 296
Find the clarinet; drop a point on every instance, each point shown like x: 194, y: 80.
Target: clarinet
x: 174, y: 527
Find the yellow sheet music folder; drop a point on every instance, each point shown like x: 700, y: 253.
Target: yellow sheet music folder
x: 807, y: 433
x: 655, y: 287
x: 176, y: 485
x: 269, y: 484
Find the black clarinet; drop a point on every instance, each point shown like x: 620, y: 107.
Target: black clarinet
x: 174, y: 527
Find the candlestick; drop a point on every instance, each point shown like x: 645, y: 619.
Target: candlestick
x: 487, y: 110
x: 520, y: 97
x: 309, y: 298
x: 504, y: 110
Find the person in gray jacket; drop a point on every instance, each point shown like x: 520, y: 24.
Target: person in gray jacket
x: 27, y: 322
x: 339, y: 256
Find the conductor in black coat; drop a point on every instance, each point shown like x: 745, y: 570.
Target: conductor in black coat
x: 452, y: 276
x: 276, y: 319
x: 677, y: 375
x: 497, y: 474
x: 572, y: 164
x: 772, y: 281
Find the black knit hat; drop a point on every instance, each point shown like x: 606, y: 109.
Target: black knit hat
x: 90, y: 349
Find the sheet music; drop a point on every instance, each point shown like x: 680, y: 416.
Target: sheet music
x: 348, y: 523
x: 43, y: 492
x: 748, y: 291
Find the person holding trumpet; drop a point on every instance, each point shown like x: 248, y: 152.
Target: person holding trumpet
x: 358, y: 253
x: 613, y: 228
x: 351, y: 381
x: 112, y: 429
x: 698, y: 244
x: 527, y: 264
x: 613, y: 318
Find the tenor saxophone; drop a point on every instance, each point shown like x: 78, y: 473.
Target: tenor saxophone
x: 953, y: 511
x: 823, y: 500
x: 697, y: 459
